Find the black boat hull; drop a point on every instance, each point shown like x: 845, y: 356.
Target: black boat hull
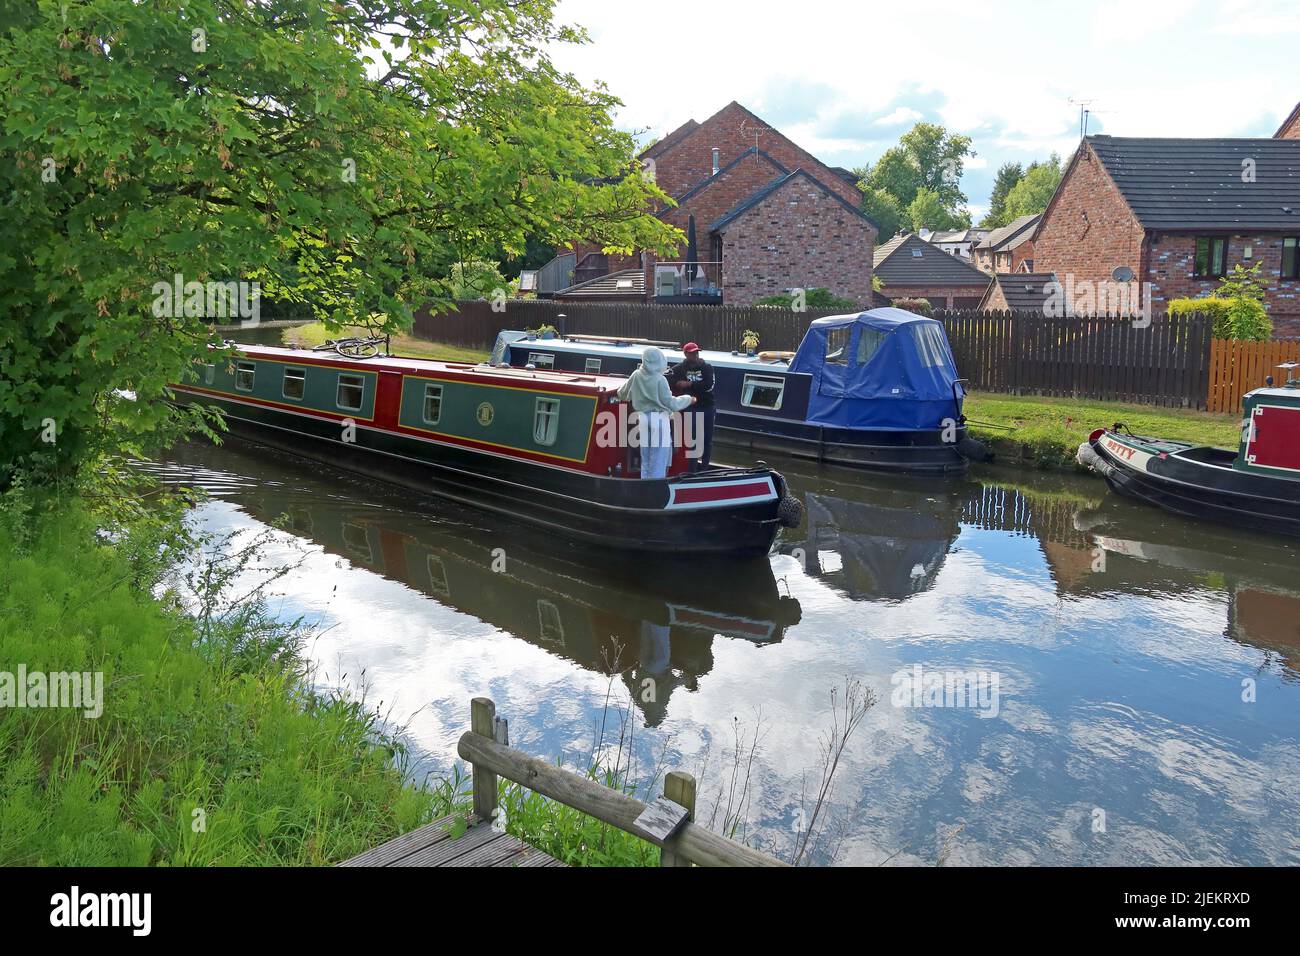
x: 912, y: 452
x: 616, y: 513
x: 1202, y: 489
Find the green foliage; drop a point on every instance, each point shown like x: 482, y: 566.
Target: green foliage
x: 204, y: 711
x: 1234, y: 318
x: 1243, y: 283
x: 474, y: 280
x: 1034, y: 191
x: 813, y: 299
x: 287, y: 144
x: 919, y: 306
x: 927, y: 212
x: 882, y: 209
x: 927, y: 157
x: 1008, y: 175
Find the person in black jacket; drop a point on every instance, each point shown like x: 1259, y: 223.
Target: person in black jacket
x: 694, y: 377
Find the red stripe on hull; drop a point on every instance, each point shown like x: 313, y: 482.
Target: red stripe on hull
x: 750, y: 489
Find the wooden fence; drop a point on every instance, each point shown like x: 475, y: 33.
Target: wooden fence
x: 1237, y: 367
x: 1164, y: 362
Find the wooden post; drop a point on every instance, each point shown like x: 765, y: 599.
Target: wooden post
x: 482, y: 721
x: 679, y: 787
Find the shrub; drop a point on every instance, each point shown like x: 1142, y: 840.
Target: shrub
x: 919, y: 306
x: 1234, y: 318
x: 813, y: 299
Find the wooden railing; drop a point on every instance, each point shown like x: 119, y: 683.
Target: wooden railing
x: 485, y: 747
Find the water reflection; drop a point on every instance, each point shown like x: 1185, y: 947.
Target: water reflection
x: 644, y: 618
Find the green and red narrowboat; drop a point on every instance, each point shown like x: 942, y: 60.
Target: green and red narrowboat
x: 532, y: 445
x: 1257, y: 486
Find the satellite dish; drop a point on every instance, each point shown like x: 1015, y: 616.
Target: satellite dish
x: 1122, y: 274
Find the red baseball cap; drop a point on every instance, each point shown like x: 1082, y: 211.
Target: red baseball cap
x: 690, y: 347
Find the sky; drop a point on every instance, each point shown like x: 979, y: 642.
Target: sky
x: 845, y: 79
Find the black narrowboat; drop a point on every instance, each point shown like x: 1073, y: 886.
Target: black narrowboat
x: 874, y: 390
x: 533, y: 445
x: 1255, y: 487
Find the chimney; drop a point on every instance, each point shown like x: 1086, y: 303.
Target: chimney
x: 715, y: 160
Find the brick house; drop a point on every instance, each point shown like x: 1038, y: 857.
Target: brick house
x: 1179, y: 214
x: 769, y: 216
x: 1009, y: 248
x: 1290, y: 128
x: 911, y: 268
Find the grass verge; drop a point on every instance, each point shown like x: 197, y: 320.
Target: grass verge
x: 1046, y: 432
x: 314, y: 333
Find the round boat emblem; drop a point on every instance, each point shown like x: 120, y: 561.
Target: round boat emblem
x: 485, y: 414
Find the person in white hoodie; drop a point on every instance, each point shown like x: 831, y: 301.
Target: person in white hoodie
x: 653, y: 401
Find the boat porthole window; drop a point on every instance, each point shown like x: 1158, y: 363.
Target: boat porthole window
x: 244, y: 375
x: 432, y: 404
x: 541, y: 360
x: 546, y: 421
x: 295, y: 381
x: 352, y: 389
x: 762, y: 391
x: 209, y: 373
x: 593, y: 366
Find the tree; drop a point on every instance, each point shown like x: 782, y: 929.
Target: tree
x: 928, y: 212
x: 1009, y: 174
x: 341, y: 155
x: 927, y: 157
x: 1032, y: 194
x: 882, y: 209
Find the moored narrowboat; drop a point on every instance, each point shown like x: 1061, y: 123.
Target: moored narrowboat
x: 875, y: 390
x: 529, y: 444
x: 1256, y: 487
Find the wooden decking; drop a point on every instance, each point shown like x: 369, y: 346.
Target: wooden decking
x: 432, y: 845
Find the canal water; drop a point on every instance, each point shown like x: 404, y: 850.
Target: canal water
x: 1116, y: 686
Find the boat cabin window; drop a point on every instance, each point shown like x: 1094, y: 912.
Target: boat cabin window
x: 546, y: 421
x: 837, y: 346
x: 930, y: 345
x: 869, y: 340
x: 209, y: 373
x: 432, y: 404
x: 541, y: 360
x: 549, y: 623
x: 295, y: 381
x: 244, y: 374
x: 593, y: 366
x: 761, y: 391
x: 352, y: 389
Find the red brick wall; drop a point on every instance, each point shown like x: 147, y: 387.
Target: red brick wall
x: 798, y: 237
x: 690, y: 160
x: 1090, y: 250
x: 1291, y: 130
x: 721, y: 195
x: 940, y: 297
x: 1172, y: 258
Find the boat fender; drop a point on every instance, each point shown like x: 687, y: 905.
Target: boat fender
x: 789, y: 511
x: 973, y: 450
x: 1088, y: 457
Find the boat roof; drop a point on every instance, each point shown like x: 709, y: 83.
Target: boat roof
x: 599, y: 383
x: 1278, y: 391
x: 621, y: 349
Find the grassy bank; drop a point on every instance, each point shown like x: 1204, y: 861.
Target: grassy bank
x: 313, y: 334
x: 1046, y: 432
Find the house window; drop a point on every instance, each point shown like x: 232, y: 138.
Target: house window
x: 295, y: 380
x: 432, y: 404
x: 1211, y: 257
x: 869, y: 340
x: 593, y: 366
x: 1291, y: 257
x: 244, y: 374
x: 541, y: 360
x: 352, y: 389
x: 546, y: 421
x: 761, y: 391
x: 837, y: 346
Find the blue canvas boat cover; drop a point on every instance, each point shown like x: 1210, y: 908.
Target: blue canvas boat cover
x: 885, y: 369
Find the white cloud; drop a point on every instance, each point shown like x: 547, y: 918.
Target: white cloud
x: 902, y: 114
